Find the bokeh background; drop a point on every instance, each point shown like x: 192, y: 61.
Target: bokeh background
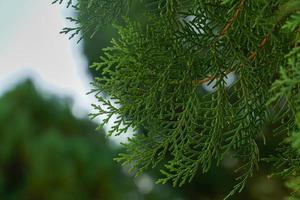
x: 50, y: 149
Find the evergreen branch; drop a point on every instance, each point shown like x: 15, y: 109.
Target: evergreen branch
x: 253, y: 54
x: 251, y: 57
x: 153, y: 70
x: 233, y: 18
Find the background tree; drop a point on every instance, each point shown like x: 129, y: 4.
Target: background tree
x: 48, y: 153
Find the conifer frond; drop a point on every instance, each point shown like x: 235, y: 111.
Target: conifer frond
x: 155, y: 71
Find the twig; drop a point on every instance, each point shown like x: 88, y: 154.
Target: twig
x: 233, y: 18
x: 222, y: 33
x: 252, y: 56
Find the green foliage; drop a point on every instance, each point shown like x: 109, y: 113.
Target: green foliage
x: 154, y: 73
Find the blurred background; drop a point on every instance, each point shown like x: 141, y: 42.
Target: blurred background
x: 49, y: 149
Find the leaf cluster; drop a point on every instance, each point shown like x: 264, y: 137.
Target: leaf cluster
x: 154, y: 75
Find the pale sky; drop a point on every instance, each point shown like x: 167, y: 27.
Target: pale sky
x: 31, y: 46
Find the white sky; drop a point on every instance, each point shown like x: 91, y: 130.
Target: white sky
x: 31, y: 46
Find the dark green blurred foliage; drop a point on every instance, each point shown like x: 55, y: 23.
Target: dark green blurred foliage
x: 92, y: 46
x: 48, y: 153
